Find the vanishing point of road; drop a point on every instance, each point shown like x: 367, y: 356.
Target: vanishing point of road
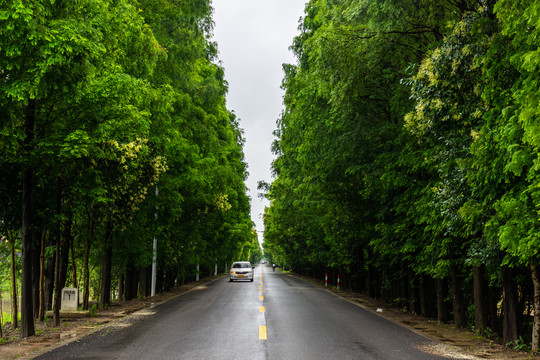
x: 277, y: 316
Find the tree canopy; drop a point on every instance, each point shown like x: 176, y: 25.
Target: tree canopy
x: 407, y: 157
x: 115, y: 130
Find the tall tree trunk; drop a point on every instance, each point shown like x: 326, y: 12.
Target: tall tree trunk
x: 131, y: 281
x: 423, y: 297
x: 36, y: 251
x: 57, y: 276
x: 412, y: 292
x: 62, y: 258
x: 458, y: 305
x: 14, y: 306
x: 536, y: 324
x: 480, y: 303
x: 57, y: 290
x: 106, y: 276
x: 493, y: 303
x: 73, y: 264
x: 143, y: 281
x: 148, y: 286
x: 361, y: 279
x: 510, y: 300
x: 66, y: 242
x: 50, y: 276
x: 403, y: 294
x: 441, y: 305
x: 89, y: 239
x: 27, y: 309
x: 49, y: 280
x: 372, y: 292
x: 41, y: 314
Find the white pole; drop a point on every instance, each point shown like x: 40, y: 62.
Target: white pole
x: 154, y: 257
x: 215, y: 269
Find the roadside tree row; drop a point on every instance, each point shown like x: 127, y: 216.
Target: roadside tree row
x: 114, y: 131
x: 407, y: 158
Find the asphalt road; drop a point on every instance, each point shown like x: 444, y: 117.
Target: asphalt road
x: 275, y: 317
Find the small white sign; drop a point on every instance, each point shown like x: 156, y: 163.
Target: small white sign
x: 70, y: 299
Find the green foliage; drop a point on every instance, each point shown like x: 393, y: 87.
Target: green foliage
x: 350, y: 177
x: 447, y: 89
x: 127, y: 98
x: 517, y: 208
x: 520, y: 345
x: 408, y: 150
x: 93, y: 310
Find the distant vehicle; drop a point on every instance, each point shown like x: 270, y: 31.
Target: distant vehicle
x: 264, y: 262
x: 241, y: 270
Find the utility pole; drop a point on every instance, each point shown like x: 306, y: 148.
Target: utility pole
x: 154, y: 257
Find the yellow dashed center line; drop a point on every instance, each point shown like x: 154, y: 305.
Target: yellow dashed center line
x: 262, y: 328
x: 262, y: 333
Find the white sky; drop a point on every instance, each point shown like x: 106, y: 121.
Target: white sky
x: 253, y: 39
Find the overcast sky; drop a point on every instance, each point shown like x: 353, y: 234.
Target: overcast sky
x: 253, y: 39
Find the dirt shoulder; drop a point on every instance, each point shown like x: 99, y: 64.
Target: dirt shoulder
x: 453, y: 342
x: 49, y: 337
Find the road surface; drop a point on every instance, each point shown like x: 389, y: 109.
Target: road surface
x: 277, y: 316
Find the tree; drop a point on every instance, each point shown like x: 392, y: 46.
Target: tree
x: 384, y: 168
x: 514, y: 208
x: 447, y: 90
x: 52, y: 53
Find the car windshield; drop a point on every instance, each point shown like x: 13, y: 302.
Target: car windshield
x: 240, y: 265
